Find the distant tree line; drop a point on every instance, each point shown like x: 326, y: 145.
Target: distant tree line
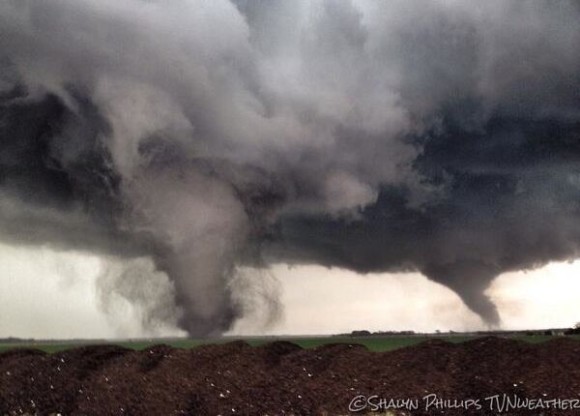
x: 365, y: 333
x: 575, y: 330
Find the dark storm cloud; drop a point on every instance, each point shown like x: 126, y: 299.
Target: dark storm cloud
x: 441, y: 137
x: 504, y: 206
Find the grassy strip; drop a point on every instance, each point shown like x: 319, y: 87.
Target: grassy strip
x: 373, y: 343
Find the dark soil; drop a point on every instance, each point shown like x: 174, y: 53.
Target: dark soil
x: 282, y: 379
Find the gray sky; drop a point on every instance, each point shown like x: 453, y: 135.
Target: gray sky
x: 65, y: 302
x: 191, y: 147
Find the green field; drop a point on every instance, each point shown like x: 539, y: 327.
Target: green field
x: 373, y: 343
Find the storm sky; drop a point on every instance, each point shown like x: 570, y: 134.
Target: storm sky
x: 195, y: 146
x: 69, y: 300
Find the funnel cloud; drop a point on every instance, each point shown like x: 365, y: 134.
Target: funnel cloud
x: 209, y: 137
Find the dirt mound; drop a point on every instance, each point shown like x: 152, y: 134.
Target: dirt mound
x: 281, y: 378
